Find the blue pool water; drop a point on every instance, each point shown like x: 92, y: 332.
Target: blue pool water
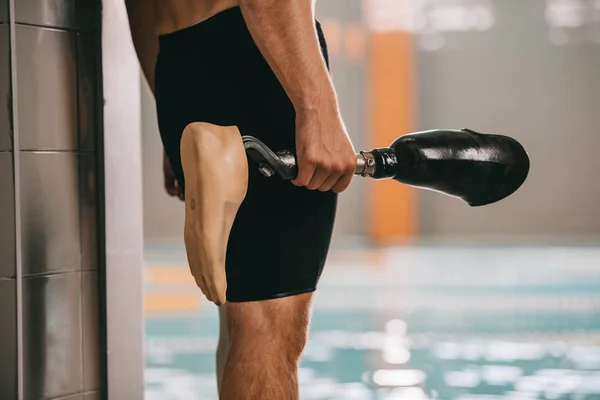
x: 418, y: 323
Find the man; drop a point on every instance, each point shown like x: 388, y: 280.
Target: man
x: 259, y: 65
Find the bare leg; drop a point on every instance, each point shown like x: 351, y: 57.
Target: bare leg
x: 260, y: 342
x: 215, y: 167
x: 266, y: 341
x: 223, y: 346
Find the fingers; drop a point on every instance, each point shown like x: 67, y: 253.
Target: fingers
x: 326, y: 174
x: 342, y: 184
x: 306, y: 170
x: 320, y: 176
x: 180, y: 192
x: 175, y: 192
x: 173, y: 188
x: 330, y: 182
x: 171, y: 185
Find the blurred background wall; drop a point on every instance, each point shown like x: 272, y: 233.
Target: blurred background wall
x: 529, y: 69
x: 501, y: 66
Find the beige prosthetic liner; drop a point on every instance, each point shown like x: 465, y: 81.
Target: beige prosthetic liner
x: 215, y: 168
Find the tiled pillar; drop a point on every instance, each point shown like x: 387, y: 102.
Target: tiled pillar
x: 50, y: 338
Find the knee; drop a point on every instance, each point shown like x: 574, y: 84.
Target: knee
x: 198, y: 132
x: 270, y: 337
x: 215, y: 141
x: 199, y: 128
x: 289, y: 342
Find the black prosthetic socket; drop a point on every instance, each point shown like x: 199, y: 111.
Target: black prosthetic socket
x: 479, y: 168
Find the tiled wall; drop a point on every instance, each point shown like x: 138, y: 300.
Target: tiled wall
x: 56, y: 130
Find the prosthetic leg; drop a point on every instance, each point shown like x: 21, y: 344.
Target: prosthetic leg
x: 478, y: 168
x: 215, y: 168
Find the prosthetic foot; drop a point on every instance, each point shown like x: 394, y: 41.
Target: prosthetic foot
x: 216, y: 180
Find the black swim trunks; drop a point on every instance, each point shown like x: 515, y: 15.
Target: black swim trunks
x: 213, y: 72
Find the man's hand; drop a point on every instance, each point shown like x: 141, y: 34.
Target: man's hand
x: 285, y: 33
x: 171, y: 185
x: 326, y: 157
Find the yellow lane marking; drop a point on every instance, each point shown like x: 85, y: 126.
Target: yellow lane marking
x: 171, y: 302
x: 169, y: 275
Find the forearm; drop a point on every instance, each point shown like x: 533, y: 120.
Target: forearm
x: 142, y: 23
x: 284, y: 31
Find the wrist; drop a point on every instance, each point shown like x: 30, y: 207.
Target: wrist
x: 316, y: 105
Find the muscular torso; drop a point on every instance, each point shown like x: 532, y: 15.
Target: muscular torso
x: 173, y: 15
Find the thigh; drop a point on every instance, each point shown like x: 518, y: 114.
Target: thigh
x: 281, y: 236
x: 269, y: 322
x: 279, y: 241
x: 214, y: 73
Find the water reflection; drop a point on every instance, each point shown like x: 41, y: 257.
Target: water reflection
x: 441, y: 339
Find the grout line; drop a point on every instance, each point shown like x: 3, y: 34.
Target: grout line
x: 49, y: 27
x: 66, y: 395
x: 49, y: 274
x: 75, y: 152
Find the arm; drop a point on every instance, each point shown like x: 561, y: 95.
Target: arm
x: 285, y: 33
x: 142, y: 23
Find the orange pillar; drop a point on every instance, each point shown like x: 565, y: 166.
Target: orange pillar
x: 392, y: 206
